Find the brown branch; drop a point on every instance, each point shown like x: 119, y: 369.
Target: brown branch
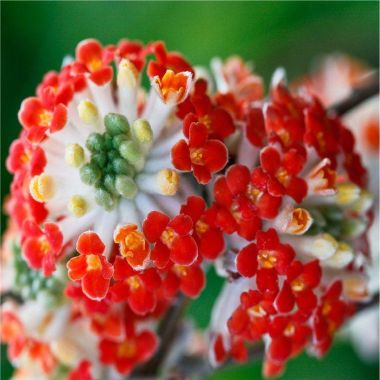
x: 167, y: 332
x: 358, y: 95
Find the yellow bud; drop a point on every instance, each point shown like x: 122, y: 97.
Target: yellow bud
x: 77, y: 206
x: 127, y: 75
x: 42, y: 187
x: 74, y: 155
x: 364, y: 203
x: 347, y: 193
x: 142, y: 131
x: 88, y: 112
x: 65, y: 351
x: 168, y: 181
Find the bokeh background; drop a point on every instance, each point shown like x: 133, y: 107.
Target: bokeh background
x: 36, y: 35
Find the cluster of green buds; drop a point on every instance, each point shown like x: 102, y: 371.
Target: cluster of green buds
x: 116, y: 157
x: 32, y: 284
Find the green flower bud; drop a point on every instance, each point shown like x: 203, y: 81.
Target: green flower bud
x: 121, y: 166
x: 105, y: 199
x: 119, y: 139
x: 131, y: 152
x: 126, y: 186
x: 116, y: 124
x: 95, y: 142
x: 90, y: 173
x: 100, y: 159
x: 109, y: 183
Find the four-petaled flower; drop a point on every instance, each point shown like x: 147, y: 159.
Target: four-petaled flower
x: 172, y: 239
x: 42, y: 247
x: 91, y: 266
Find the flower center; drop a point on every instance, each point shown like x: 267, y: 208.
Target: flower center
x: 45, y: 118
x: 267, y: 259
x: 167, y: 236
x: 93, y: 262
x: 256, y: 311
x: 134, y: 282
x: 116, y: 157
x: 127, y: 349
x: 196, y: 156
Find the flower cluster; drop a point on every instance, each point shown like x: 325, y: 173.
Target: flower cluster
x: 109, y: 226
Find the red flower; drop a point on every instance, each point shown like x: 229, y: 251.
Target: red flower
x: 198, y: 108
x: 91, y: 266
x: 267, y: 253
x: 301, y: 280
x: 41, y: 247
x: 284, y: 170
x: 242, y: 199
x: 284, y: 116
x: 133, y: 51
x: 81, y: 372
x: 137, y: 348
x: 133, y: 245
x: 329, y: 316
x: 55, y: 90
x: 208, y: 237
x: 172, y: 238
x: 190, y: 280
x: 93, y: 59
x: 201, y: 155
x: 251, y: 319
x: 138, y: 288
x: 166, y: 61
x: 25, y: 156
x: 255, y: 127
x: 37, y: 119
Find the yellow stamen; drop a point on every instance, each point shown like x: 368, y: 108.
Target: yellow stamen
x: 267, y: 259
x: 42, y: 187
x: 45, y: 118
x: 167, y: 236
x: 142, y: 131
x: 77, y: 206
x: 256, y: 311
x: 74, y: 155
x: 88, y: 112
x: 93, y: 262
x: 196, y: 156
x: 347, y: 193
x: 297, y: 285
x: 201, y: 227
x: 127, y: 349
x: 364, y: 203
x: 134, y: 282
x: 127, y: 75
x: 168, y: 181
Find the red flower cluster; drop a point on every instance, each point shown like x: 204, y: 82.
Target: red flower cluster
x: 205, y: 126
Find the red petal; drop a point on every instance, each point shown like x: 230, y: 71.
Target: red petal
x: 154, y: 225
x: 90, y: 243
x: 270, y: 159
x: 59, y: 118
x: 184, y: 250
x: 246, y: 261
x: 181, y: 156
x: 215, y: 155
x: 193, y: 282
x: 88, y: 50
x: 142, y: 301
x: 194, y: 207
x: 284, y: 301
x: 77, y: 268
x: 102, y: 76
x: 160, y: 255
x: 94, y: 286
x: 238, y: 178
x: 181, y: 224
x: 198, y: 135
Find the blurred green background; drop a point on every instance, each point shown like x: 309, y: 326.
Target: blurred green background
x: 37, y: 35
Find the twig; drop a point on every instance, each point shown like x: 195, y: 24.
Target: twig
x: 358, y: 95
x: 167, y: 332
